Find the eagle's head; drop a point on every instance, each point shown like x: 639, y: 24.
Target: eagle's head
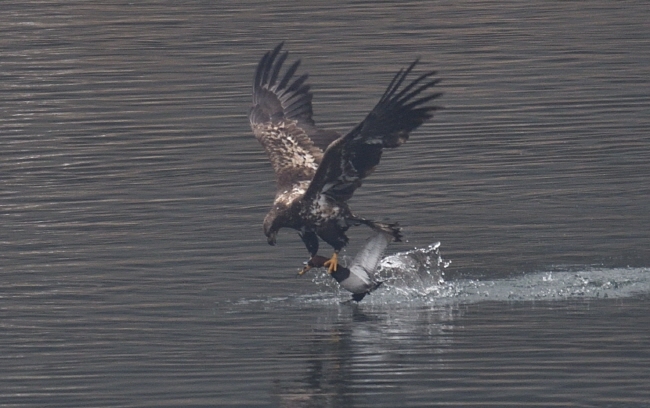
x: 270, y: 233
x: 274, y: 220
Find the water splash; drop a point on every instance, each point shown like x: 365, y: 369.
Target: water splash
x: 411, y: 274
x: 418, y: 272
x: 417, y: 276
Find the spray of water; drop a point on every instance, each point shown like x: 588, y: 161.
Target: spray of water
x: 418, y: 276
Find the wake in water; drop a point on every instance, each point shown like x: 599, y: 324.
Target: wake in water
x: 588, y: 283
x: 417, y: 276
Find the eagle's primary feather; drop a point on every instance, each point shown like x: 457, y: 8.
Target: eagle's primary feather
x: 318, y: 170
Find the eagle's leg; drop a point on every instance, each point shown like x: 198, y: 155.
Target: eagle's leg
x: 316, y: 261
x: 308, y: 266
x: 310, y: 240
x: 331, y: 232
x: 304, y: 269
x: 332, y: 263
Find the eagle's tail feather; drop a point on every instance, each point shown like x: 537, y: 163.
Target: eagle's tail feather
x: 392, y: 229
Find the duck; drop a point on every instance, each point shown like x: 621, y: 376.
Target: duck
x: 359, y: 278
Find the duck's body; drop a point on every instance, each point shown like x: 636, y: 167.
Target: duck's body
x: 360, y: 277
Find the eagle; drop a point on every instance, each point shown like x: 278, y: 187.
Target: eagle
x: 318, y: 170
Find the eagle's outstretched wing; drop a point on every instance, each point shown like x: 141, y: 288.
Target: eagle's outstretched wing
x: 281, y: 118
x: 351, y: 158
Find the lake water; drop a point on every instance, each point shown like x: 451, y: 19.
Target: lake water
x: 135, y: 272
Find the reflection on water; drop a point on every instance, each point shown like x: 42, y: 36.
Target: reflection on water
x: 388, y: 356
x: 353, y: 354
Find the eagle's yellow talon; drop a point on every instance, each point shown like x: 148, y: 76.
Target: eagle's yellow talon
x: 332, y: 263
x: 304, y: 270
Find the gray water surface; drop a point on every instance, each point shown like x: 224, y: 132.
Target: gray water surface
x: 134, y: 268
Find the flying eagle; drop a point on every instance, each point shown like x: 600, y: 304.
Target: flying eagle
x: 317, y: 170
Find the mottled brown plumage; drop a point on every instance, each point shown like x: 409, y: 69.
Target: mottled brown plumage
x: 318, y: 170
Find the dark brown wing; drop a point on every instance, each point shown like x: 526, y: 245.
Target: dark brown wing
x: 281, y: 118
x: 350, y: 159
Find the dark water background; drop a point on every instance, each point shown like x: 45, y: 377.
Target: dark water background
x: 134, y: 271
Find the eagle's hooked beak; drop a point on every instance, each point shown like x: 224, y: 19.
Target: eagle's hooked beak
x: 271, y: 238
